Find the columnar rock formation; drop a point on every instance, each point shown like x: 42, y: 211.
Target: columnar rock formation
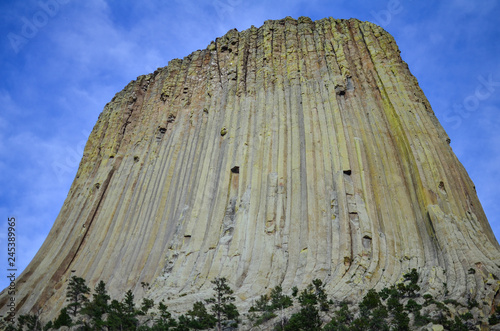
x: 279, y: 154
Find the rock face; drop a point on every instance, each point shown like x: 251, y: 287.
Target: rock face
x: 279, y: 154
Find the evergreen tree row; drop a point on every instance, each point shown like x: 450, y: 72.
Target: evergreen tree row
x: 393, y: 308
x: 102, y: 313
x: 399, y: 307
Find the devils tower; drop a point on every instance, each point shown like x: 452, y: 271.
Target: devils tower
x: 277, y: 155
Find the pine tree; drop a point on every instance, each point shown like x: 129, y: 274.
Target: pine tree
x: 32, y: 322
x: 312, y: 300
x: 146, y: 305
x: 123, y: 315
x: 99, y: 306
x: 342, y: 319
x: 115, y: 315
x: 198, y: 318
x: 62, y: 320
x: 268, y: 304
x: 222, y: 306
x: 77, y: 294
x: 164, y: 320
x: 319, y: 288
x: 372, y: 313
x: 279, y: 300
x: 130, y: 312
x: 308, y: 316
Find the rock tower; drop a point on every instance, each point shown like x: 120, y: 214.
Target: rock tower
x: 279, y: 154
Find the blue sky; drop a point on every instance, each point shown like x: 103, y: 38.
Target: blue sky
x: 63, y: 60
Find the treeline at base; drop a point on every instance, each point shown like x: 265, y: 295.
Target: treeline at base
x: 399, y: 307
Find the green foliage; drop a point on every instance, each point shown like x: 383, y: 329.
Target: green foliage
x: 373, y: 313
x: 442, y: 306
x: 385, y: 310
x: 452, y: 302
x: 412, y: 306
x: 262, y: 304
x: 32, y: 322
x: 411, y: 276
x: 369, y: 302
x: 115, y: 315
x: 341, y: 320
x: 222, y: 303
x: 458, y: 325
x: 306, y: 319
x: 386, y: 292
x: 442, y: 318
x: 493, y: 319
x: 319, y: 288
x: 63, y: 319
x: 471, y: 303
x: 396, y: 310
x: 145, y: 286
x: 377, y: 319
x: 421, y: 320
x: 122, y: 315
x: 164, y: 320
x: 128, y: 303
x: 411, y: 288
x: 312, y: 300
x: 182, y: 324
x: 77, y: 294
x: 428, y: 299
x: 49, y: 325
x: 146, y: 305
x: 10, y: 326
x: 446, y: 292
x: 198, y: 318
x: 393, y: 303
x: 467, y: 316
x: 97, y: 307
x: 279, y: 300
x: 264, y: 317
x: 401, y: 321
x: 308, y: 296
x: 267, y: 305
